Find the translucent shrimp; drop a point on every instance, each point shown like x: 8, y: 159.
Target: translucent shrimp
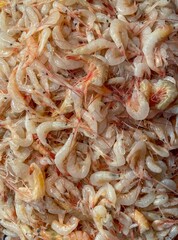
x: 31, y: 51
x: 43, y: 39
x: 101, y: 177
x: 126, y: 7
x: 88, y: 194
x: 44, y: 128
x: 18, y: 101
x: 65, y: 229
x: 36, y: 183
x: 149, y: 45
x: 118, y: 32
x: 12, y: 227
x: 109, y: 196
x: 142, y: 222
x: 114, y: 57
x: 125, y: 180
x: 129, y: 198
x: 163, y: 94
x: 100, y: 217
x: 76, y: 168
x: 152, y: 165
x: 63, y: 153
x: 137, y: 106
x: 94, y: 46
x: 4, y: 67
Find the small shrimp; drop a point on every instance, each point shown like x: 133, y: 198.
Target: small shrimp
x: 150, y: 43
x: 163, y: 94
x: 100, y: 216
x: 78, y: 169
x: 44, y: 128
x: 125, y: 180
x: 137, y: 106
x: 88, y: 194
x: 63, y: 153
x: 109, y: 196
x: 127, y: 199
x: 31, y: 51
x: 152, y: 165
x: 43, y: 39
x: 4, y: 67
x: 101, y: 177
x: 119, y: 35
x: 94, y: 46
x: 140, y: 219
x: 126, y: 7
x: 18, y: 101
x: 12, y: 227
x: 114, y: 57
x: 65, y: 229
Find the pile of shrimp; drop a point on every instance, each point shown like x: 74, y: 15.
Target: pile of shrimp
x: 89, y: 119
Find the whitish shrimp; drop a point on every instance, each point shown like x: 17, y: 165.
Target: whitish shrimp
x: 94, y: 46
x: 63, y: 153
x: 12, y: 227
x: 4, y: 67
x: 67, y: 64
x: 126, y: 7
x: 118, y: 32
x: 137, y: 106
x: 18, y: 101
x: 43, y: 39
x: 97, y: 70
x: 36, y: 184
x: 125, y: 180
x: 101, y: 177
x: 114, y: 57
x: 129, y: 198
x: 109, y: 196
x: 65, y: 229
x: 150, y: 43
x: 31, y: 51
x: 152, y: 165
x: 100, y: 217
x: 136, y: 156
x: 163, y: 94
x: 146, y: 200
x: 88, y: 194
x: 142, y: 222
x: 76, y: 168
x: 44, y: 128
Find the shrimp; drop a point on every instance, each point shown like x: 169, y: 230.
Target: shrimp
x: 126, y: 7
x: 44, y: 128
x: 94, y: 46
x: 136, y: 156
x: 152, y: 165
x: 149, y: 45
x: 101, y: 216
x: 114, y: 57
x: 18, y: 101
x: 4, y: 67
x: 31, y: 51
x: 101, y: 177
x: 36, y: 183
x: 140, y: 219
x: 97, y: 70
x: 78, y: 169
x: 137, y: 106
x: 88, y: 194
x: 63, y: 153
x: 43, y: 39
x: 119, y: 35
x: 163, y: 94
x: 109, y: 196
x: 127, y: 199
x: 65, y: 229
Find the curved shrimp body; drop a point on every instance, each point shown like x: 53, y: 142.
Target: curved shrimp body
x: 137, y: 106
x: 163, y: 93
x: 94, y: 46
x: 152, y: 40
x: 126, y: 7
x: 32, y: 51
x: 119, y: 33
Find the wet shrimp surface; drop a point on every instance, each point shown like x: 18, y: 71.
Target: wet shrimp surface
x: 88, y: 119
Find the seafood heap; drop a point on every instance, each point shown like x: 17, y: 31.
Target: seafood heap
x: 88, y: 119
